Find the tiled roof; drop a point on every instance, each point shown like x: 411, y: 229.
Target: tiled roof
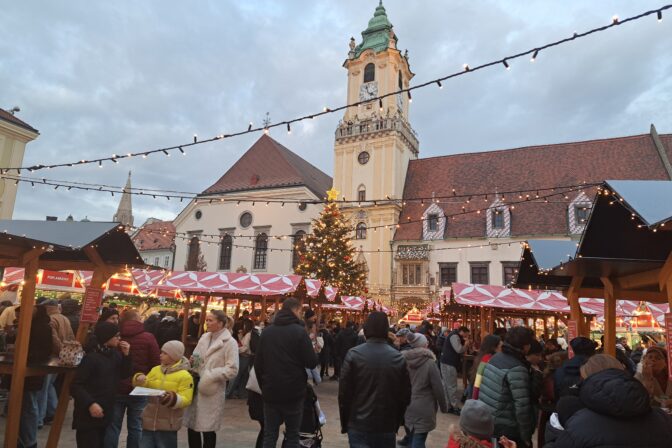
x: 268, y: 164
x: 155, y: 236
x: 633, y: 157
x: 6, y: 116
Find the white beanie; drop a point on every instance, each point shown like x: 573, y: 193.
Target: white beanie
x: 174, y: 349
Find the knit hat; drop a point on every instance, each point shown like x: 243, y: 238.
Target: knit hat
x: 535, y: 348
x: 403, y: 333
x: 417, y: 340
x: 598, y: 363
x: 476, y: 420
x: 105, y: 331
x: 583, y: 346
x: 174, y: 349
x: 376, y: 325
x: 107, y: 313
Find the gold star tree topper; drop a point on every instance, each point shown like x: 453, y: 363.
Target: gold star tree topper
x: 332, y: 195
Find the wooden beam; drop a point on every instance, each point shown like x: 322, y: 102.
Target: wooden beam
x: 483, y: 329
x: 491, y: 321
x: 185, y: 319
x: 609, y: 317
x: 574, y: 306
x: 665, y: 273
x: 235, y: 316
x: 201, y: 319
x: 21, y: 353
x: 638, y: 280
x: 262, y: 315
x: 648, y: 296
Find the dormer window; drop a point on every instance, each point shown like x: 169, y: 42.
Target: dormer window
x: 581, y: 214
x: 578, y: 213
x: 370, y: 72
x: 498, y: 220
x: 433, y: 223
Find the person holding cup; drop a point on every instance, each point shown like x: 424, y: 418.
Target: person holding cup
x: 655, y: 377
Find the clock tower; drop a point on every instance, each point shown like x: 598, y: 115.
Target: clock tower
x: 374, y: 143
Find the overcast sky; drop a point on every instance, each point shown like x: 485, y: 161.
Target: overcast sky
x: 98, y: 78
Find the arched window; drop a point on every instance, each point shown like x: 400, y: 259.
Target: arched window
x: 361, y: 193
x: 225, y: 252
x: 369, y: 72
x: 401, y: 81
x: 260, y: 251
x: 360, y: 231
x: 192, y: 255
x: 298, y: 247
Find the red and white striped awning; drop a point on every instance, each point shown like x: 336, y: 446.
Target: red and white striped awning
x: 509, y: 298
x: 191, y: 282
x: 356, y: 303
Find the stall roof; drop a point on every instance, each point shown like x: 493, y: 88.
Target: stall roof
x: 550, y: 253
x: 226, y: 283
x: 66, y: 242
x: 509, y: 298
x: 651, y: 200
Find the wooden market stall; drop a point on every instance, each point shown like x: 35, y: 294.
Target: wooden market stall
x: 104, y: 248
x: 625, y: 253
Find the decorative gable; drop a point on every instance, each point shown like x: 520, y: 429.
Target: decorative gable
x: 578, y: 212
x: 498, y: 220
x: 433, y: 223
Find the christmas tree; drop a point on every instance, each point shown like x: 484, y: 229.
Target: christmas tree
x: 328, y: 255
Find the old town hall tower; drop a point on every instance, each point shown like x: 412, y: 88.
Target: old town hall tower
x: 373, y: 145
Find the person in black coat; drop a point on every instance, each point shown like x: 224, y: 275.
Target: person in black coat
x: 375, y: 388
x: 617, y: 411
x: 96, y: 382
x: 168, y: 329
x: 327, y: 349
x: 283, y: 355
x: 345, y: 340
x: 567, y: 377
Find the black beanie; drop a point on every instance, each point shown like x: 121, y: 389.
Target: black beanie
x: 105, y: 331
x: 582, y: 346
x: 107, y: 312
x: 376, y: 325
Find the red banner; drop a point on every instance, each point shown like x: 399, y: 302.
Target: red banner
x: 93, y: 297
x: 56, y: 278
x: 120, y: 285
x: 668, y: 334
x: 572, y: 332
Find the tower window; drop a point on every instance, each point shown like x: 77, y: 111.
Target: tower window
x: 260, y: 250
x: 363, y: 157
x: 360, y: 231
x: 369, y: 72
x: 361, y: 193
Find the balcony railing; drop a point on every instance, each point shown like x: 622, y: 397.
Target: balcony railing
x: 354, y: 129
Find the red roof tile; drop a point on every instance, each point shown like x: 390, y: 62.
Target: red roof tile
x: 155, y: 236
x: 268, y: 164
x: 6, y: 116
x: 633, y: 157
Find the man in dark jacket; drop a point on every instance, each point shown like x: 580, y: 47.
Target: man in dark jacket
x: 506, y: 388
x: 567, y: 376
x: 168, y: 329
x: 325, y: 354
x: 283, y: 355
x: 375, y: 389
x: 144, y: 354
x: 454, y: 346
x: 345, y: 340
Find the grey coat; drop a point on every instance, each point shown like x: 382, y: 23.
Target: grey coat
x: 426, y: 391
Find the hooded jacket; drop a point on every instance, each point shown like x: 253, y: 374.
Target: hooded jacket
x: 567, y: 376
x: 427, y: 393
x: 374, y: 389
x: 617, y: 414
x: 283, y: 354
x: 175, y: 378
x: 506, y: 389
x: 144, y: 350
x: 344, y: 341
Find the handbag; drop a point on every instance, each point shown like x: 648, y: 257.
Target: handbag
x: 71, y: 353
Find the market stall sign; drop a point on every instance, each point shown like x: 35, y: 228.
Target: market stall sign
x: 93, y: 297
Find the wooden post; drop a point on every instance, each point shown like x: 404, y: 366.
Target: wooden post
x: 555, y: 326
x: 609, y: 317
x: 277, y: 304
x: 545, y: 326
x: 185, y: 320
x: 21, y: 352
x: 574, y: 306
x: 235, y: 316
x: 483, y: 329
x: 491, y: 321
x: 226, y: 306
x: 262, y: 316
x: 204, y: 311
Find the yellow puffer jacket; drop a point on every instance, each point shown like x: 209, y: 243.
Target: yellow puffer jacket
x: 175, y: 378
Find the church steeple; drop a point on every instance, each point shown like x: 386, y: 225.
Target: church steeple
x: 378, y: 34
x: 124, y: 213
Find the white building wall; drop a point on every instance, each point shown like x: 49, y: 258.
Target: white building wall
x: 164, y: 256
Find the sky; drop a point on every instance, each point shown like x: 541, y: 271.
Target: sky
x: 103, y: 78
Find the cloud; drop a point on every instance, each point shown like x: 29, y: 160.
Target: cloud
x: 118, y: 77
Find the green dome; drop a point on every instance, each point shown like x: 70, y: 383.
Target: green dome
x: 377, y: 35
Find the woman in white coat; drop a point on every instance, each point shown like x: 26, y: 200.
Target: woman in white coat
x: 215, y: 360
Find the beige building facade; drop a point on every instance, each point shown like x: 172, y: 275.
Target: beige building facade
x: 14, y: 135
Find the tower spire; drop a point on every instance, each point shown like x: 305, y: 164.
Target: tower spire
x: 124, y: 213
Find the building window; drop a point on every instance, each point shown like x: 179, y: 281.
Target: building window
x: 447, y: 273
x: 401, y: 82
x: 260, y: 251
x: 156, y: 261
x: 363, y: 158
x: 225, y: 252
x: 360, y: 231
x: 433, y: 222
x: 245, y: 220
x: 509, y: 272
x: 480, y: 273
x: 581, y: 214
x: 497, y: 219
x: 411, y: 274
x: 302, y: 206
x: 198, y: 214
x: 298, y: 248
x: 361, y: 193
x: 369, y: 72
x: 166, y: 261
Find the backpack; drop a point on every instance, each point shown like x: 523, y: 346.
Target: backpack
x: 254, y: 340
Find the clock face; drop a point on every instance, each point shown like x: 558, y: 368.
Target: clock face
x: 368, y: 90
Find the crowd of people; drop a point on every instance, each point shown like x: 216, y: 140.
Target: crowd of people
x: 392, y: 382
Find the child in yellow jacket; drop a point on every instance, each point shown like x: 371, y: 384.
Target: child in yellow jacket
x: 162, y: 417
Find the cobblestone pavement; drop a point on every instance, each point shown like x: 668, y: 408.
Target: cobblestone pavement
x: 240, y: 431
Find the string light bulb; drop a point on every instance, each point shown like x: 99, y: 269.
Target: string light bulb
x: 289, y: 129
x: 410, y: 98
x: 182, y: 151
x: 614, y: 19
x: 534, y: 55
x: 380, y: 104
x: 659, y: 14
x: 506, y: 64
x: 438, y: 83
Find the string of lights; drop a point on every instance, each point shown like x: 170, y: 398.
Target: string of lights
x: 466, y: 69
x: 219, y: 198
x: 217, y: 238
